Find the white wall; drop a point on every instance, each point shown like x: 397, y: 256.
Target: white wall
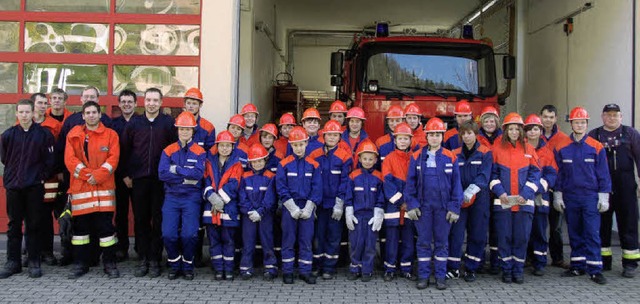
x: 599, y: 61
x: 312, y: 67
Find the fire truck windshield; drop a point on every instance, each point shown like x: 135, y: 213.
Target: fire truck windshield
x: 436, y: 71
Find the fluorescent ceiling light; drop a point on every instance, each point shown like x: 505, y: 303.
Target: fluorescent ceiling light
x: 484, y: 9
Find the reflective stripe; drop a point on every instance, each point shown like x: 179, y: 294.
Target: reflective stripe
x: 336, y: 171
x: 269, y: 266
x: 589, y: 160
x: 205, y: 191
x: 50, y: 195
x: 224, y: 196
x: 85, y: 195
x: 258, y: 246
x: 460, y: 164
x: 493, y: 183
x: 248, y: 188
x: 382, y: 157
x: 441, y: 259
x: 304, y: 262
x: 200, y: 143
x: 453, y: 259
x: 594, y: 263
x: 245, y: 268
x: 288, y: 260
x: 108, y: 241
x: 539, y: 253
x: 394, y: 215
x: 545, y: 184
x: 192, y: 160
x: 606, y: 251
x: 507, y: 258
x: 389, y: 265
x: 527, y: 156
x: 226, y: 258
x: 448, y: 165
x: 532, y: 186
x: 174, y: 260
x: 94, y: 204
x: 578, y: 259
x: 317, y: 256
x: 216, y: 257
x: 333, y: 257
x: 185, y: 261
x: 51, y: 185
x: 274, y: 169
x: 631, y: 254
x: 518, y: 259
x: 418, y: 167
x: 448, y: 170
x: 424, y: 259
x: 262, y: 188
x: 190, y: 182
x: 76, y: 171
x: 476, y: 162
x: 80, y: 240
x: 308, y: 174
x: 545, y: 203
x: 355, y: 266
x: 292, y: 174
x: 358, y: 189
x: 473, y: 258
x: 405, y: 264
x: 373, y: 189
x: 108, y: 166
x: 223, y: 216
x: 395, y: 197
x: 493, y: 248
x: 567, y: 161
x: 497, y: 202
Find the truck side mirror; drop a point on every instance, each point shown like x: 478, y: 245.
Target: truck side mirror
x: 336, y: 63
x: 509, y: 67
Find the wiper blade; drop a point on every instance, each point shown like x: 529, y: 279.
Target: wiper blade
x: 428, y: 90
x: 396, y: 91
x: 462, y: 92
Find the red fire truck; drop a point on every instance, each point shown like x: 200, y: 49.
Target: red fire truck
x: 434, y: 72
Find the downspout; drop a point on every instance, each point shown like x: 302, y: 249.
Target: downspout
x: 502, y: 97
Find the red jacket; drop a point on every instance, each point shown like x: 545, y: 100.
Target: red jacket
x: 104, y: 152
x: 516, y: 171
x: 65, y: 114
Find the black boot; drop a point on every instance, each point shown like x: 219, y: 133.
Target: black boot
x: 142, y: 269
x: 78, y: 271
x: 111, y: 270
x: 49, y: 259
x: 154, y: 269
x: 34, y: 269
x: 10, y: 268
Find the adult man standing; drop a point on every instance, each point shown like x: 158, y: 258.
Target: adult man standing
x: 92, y: 153
x: 552, y: 135
x: 26, y: 150
x: 58, y: 102
x: 127, y: 104
x: 622, y: 144
x: 50, y: 185
x: 142, y: 143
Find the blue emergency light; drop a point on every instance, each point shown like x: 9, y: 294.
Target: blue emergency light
x: 467, y: 31
x: 382, y: 29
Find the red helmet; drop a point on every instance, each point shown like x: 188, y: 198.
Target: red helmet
x: 287, y: 119
x: 332, y: 126
x: 412, y: 109
x: 367, y: 146
x: 271, y: 129
x: 578, y: 113
x: 489, y: 110
x: 356, y: 112
x: 194, y: 93
x: 462, y: 108
x: 435, y: 125
x: 395, y: 111
x: 225, y: 136
x: 533, y: 120
x: 338, y: 107
x: 512, y: 118
x: 237, y: 120
x: 257, y: 152
x: 403, y: 129
x: 297, y: 134
x: 310, y: 113
x: 249, y: 108
x: 186, y: 120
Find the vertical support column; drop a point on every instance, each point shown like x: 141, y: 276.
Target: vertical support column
x: 521, y: 62
x: 219, y: 60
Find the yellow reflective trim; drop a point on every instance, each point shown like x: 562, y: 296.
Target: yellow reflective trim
x: 108, y: 241
x: 633, y: 256
x: 606, y: 251
x: 80, y: 240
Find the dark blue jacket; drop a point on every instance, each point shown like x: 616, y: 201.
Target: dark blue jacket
x: 187, y: 182
x: 335, y: 166
x: 142, y: 143
x: 364, y: 190
x: 299, y: 179
x: 258, y: 192
x: 118, y: 124
x: 28, y: 156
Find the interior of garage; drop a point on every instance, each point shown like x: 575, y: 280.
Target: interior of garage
x: 591, y: 66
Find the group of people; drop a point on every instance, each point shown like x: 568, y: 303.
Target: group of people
x: 416, y: 190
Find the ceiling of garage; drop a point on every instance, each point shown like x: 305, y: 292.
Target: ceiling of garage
x: 424, y: 15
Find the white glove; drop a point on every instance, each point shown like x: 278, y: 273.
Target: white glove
x: 414, y: 214
x: 216, y: 202
x: 307, y: 211
x: 452, y: 217
x: 254, y: 216
x: 377, y: 219
x: 558, y: 203
x: 337, y: 209
x: 294, y: 210
x: 349, y: 218
x: 172, y: 169
x: 603, y: 202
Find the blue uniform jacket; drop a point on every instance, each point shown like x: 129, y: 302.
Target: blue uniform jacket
x: 345, y: 138
x: 449, y: 188
x: 335, y: 166
x: 205, y: 134
x: 515, y: 171
x: 549, y: 174
x: 394, y: 171
x: 476, y: 169
x: 118, y: 124
x: 28, y: 156
x: 385, y: 145
x: 225, y: 181
x: 299, y: 179
x: 273, y: 160
x: 364, y: 190
x: 187, y: 182
x: 583, y: 171
x: 258, y: 192
x: 142, y: 143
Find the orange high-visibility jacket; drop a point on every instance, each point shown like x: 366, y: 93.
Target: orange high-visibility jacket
x: 103, y: 149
